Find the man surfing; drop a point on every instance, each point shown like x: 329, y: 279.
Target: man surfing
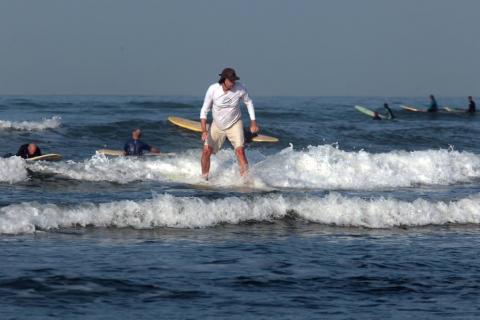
x: 224, y: 98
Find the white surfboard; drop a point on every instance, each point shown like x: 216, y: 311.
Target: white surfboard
x: 369, y: 112
x: 47, y: 157
x: 455, y: 110
x: 412, y: 109
x: 120, y: 153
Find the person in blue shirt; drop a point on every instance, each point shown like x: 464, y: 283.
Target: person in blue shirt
x: 433, y: 104
x: 136, y: 147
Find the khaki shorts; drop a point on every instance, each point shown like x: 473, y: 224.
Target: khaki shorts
x: 216, y: 136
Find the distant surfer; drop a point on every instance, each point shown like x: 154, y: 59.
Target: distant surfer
x: 224, y: 98
x: 389, y: 114
x: 29, y: 150
x: 433, y: 104
x: 136, y: 147
x: 471, y: 105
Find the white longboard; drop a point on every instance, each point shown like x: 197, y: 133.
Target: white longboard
x: 369, y: 112
x: 47, y: 157
x: 412, y: 109
x: 120, y: 153
x: 455, y: 110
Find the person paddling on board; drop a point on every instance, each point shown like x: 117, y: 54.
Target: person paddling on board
x: 224, y: 100
x: 26, y: 151
x: 29, y: 150
x: 433, y: 104
x: 471, y: 105
x: 136, y: 147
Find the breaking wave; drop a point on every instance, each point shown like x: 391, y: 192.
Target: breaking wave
x: 12, y: 170
x: 191, y: 212
x: 320, y: 167
x: 50, y: 123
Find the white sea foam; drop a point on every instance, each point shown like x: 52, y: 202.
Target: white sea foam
x: 321, y: 167
x: 126, y: 169
x: 12, y: 170
x: 188, y: 212
x: 50, y: 123
x: 331, y: 168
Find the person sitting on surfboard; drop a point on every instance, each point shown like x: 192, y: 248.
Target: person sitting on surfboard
x: 433, y: 104
x: 135, y: 147
x: 29, y: 150
x: 471, y: 105
x: 224, y: 100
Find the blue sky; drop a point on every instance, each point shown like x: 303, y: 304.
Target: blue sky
x: 331, y: 47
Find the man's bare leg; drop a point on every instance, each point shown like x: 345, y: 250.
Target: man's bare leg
x: 205, y: 161
x: 242, y: 161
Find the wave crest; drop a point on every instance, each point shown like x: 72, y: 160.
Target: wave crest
x: 50, y: 123
x: 321, y: 167
x: 328, y: 167
x: 189, y: 212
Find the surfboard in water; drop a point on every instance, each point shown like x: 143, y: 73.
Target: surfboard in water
x: 119, y: 153
x: 197, y: 127
x: 454, y: 110
x: 412, y: 109
x: 46, y: 157
x: 369, y: 112
x: 442, y: 110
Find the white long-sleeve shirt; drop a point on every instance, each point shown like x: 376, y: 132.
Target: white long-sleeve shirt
x: 226, y: 105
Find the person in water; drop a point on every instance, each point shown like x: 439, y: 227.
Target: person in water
x: 471, y: 105
x: 433, y: 104
x: 223, y: 98
x: 136, y: 147
x: 389, y: 115
x: 389, y: 111
x: 29, y: 150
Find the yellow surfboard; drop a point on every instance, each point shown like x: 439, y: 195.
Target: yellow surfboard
x: 196, y: 126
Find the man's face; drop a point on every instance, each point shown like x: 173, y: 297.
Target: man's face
x: 229, y: 84
x: 136, y: 134
x: 32, y: 148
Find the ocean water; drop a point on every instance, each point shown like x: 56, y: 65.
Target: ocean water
x: 344, y: 218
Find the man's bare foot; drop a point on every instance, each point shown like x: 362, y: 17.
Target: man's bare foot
x: 205, y: 176
x: 246, y: 179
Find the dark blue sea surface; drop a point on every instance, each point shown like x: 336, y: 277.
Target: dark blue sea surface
x: 344, y: 218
